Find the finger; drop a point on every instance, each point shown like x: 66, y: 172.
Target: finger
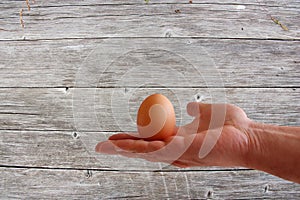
x: 194, y: 109
x: 180, y: 164
x: 125, y: 144
x: 138, y: 146
x: 106, y: 147
x: 121, y: 136
x: 155, y: 145
x: 142, y: 149
x: 209, y: 115
x: 149, y: 153
x: 169, y: 151
x: 190, y: 128
x: 129, y: 154
x: 111, y: 148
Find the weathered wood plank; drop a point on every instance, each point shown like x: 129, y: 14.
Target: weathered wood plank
x: 114, y: 109
x: 153, y: 20
x: 103, y: 63
x: 79, y: 184
x: 57, y: 149
x: 279, y: 3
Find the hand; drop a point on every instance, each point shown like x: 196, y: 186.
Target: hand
x: 230, y: 145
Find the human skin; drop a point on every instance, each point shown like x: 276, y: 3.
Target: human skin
x: 242, y: 143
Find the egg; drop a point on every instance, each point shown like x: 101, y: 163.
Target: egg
x: 156, y: 118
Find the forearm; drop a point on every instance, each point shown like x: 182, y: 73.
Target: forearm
x: 275, y: 149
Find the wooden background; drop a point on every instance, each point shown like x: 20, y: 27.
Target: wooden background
x: 56, y: 102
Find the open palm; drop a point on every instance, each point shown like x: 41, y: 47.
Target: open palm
x: 222, y: 126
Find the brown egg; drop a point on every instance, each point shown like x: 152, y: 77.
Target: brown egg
x: 156, y: 118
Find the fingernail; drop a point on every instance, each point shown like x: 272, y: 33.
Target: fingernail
x: 105, y: 147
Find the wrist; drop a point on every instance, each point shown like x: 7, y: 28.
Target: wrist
x: 274, y: 149
x: 256, y: 148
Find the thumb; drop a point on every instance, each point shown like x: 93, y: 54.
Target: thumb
x: 194, y: 109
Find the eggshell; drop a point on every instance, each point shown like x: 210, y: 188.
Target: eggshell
x: 156, y: 118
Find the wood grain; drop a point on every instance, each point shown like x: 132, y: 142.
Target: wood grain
x: 227, y: 20
x: 146, y: 63
x: 279, y: 3
x: 114, y: 109
x: 78, y: 184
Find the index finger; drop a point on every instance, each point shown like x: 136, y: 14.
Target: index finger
x: 128, y: 145
x: 138, y: 146
x: 122, y: 136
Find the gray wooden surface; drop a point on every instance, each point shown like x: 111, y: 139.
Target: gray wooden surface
x: 65, y: 79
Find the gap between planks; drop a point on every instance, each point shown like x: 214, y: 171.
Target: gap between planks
x: 127, y: 170
x: 155, y: 87
x: 154, y: 37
